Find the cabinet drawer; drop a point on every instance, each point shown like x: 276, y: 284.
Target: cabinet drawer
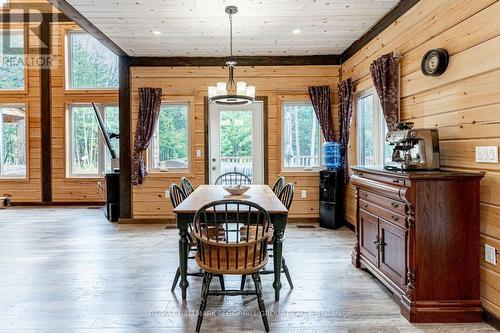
x: 391, y: 216
x: 390, y: 204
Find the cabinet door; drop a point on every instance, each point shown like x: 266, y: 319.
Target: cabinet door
x: 392, y: 252
x: 368, y: 236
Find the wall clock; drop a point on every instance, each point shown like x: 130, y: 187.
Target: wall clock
x: 435, y: 62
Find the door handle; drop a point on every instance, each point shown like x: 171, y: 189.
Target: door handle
x: 214, y: 168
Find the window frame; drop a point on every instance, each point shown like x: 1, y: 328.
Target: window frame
x: 68, y: 64
x: 190, y: 122
x: 26, y: 141
x: 101, y: 157
x: 298, y: 100
x: 379, y: 130
x: 24, y: 90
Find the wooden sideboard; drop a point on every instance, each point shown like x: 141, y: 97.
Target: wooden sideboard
x: 418, y: 233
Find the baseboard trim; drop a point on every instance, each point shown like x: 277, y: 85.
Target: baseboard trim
x: 349, y: 226
x: 48, y: 204
x: 492, y: 320
x: 301, y: 220
x: 165, y: 221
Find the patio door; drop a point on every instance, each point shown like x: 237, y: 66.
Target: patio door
x: 236, y: 140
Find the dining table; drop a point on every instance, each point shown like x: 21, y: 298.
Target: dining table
x: 204, y: 194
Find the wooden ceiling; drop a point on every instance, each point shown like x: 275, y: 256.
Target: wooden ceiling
x: 193, y: 28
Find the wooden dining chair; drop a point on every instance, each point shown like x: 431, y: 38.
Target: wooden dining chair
x: 233, y: 178
x: 177, y: 195
x: 232, y: 255
x: 286, y: 198
x: 187, y: 187
x: 278, y: 185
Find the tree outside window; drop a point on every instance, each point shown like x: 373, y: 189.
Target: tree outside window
x: 170, y: 146
x: 91, y: 64
x: 89, y: 155
x: 12, y: 141
x: 301, y: 136
x: 11, y: 60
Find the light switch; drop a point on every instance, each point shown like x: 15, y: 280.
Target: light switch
x: 167, y: 194
x: 487, y: 154
x: 303, y: 194
x: 198, y: 153
x: 490, y: 254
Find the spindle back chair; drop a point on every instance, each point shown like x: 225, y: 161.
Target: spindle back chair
x: 234, y: 253
x: 278, y: 185
x: 187, y: 187
x: 233, y: 178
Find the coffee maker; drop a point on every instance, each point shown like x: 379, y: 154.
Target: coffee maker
x: 413, y: 149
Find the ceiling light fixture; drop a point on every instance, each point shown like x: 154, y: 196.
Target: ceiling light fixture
x: 296, y: 31
x: 231, y: 93
x: 156, y: 32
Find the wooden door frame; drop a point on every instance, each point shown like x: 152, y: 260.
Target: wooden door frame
x: 264, y: 100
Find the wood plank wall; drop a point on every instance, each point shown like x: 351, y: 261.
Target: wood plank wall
x: 463, y: 103
x: 64, y: 189
x: 28, y: 189
x: 190, y: 84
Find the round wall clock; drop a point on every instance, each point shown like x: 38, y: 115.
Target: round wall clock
x: 435, y: 62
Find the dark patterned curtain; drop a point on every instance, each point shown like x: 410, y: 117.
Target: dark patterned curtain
x: 149, y: 109
x: 346, y: 100
x: 320, y: 99
x: 384, y: 72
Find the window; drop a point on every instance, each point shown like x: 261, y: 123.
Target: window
x: 170, y: 146
x: 12, y: 141
x: 4, y: 4
x: 301, y: 136
x: 372, y: 129
x: 88, y: 155
x: 90, y: 64
x: 12, y: 60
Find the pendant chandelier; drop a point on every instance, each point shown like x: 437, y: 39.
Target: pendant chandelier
x: 231, y: 93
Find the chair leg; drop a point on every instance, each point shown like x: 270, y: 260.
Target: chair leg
x: 243, y: 279
x: 176, y: 278
x: 204, y: 294
x: 221, y: 281
x: 287, y: 272
x: 262, y: 306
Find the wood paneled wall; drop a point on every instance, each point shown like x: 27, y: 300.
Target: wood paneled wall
x: 70, y: 189
x: 463, y: 103
x: 64, y: 189
x: 190, y: 84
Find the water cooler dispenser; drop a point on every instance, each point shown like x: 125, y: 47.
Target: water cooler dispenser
x: 331, y: 191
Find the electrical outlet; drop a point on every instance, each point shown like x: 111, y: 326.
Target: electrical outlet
x: 303, y: 194
x: 198, y: 153
x: 167, y: 194
x: 487, y: 154
x: 490, y: 254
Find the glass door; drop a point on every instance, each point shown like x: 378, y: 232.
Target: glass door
x: 236, y: 141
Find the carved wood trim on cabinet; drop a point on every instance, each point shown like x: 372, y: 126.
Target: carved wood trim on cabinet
x: 418, y: 233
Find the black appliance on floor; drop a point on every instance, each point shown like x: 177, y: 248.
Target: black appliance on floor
x: 331, y: 202
x: 113, y: 196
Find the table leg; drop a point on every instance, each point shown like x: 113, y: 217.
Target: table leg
x: 279, y: 230
x: 182, y: 225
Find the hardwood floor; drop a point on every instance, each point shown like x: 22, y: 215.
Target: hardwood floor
x: 69, y: 270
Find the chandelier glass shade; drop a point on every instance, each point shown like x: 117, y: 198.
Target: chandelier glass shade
x: 231, y: 93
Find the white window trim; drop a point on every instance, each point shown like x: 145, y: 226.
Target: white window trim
x: 149, y: 151
x: 69, y: 64
x: 321, y: 140
x: 26, y: 126
x: 101, y: 157
x: 378, y: 126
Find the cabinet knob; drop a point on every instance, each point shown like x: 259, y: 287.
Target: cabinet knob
x: 395, y: 218
x: 364, y: 205
x: 364, y: 195
x: 394, y: 205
